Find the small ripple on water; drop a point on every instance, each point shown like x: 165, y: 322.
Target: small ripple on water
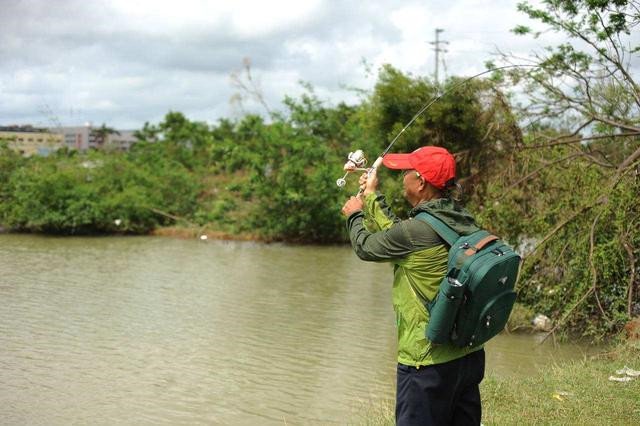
x: 160, y: 331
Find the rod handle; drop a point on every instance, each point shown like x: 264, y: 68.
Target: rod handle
x: 376, y: 163
x: 369, y: 170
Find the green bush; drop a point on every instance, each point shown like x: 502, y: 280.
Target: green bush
x: 97, y: 193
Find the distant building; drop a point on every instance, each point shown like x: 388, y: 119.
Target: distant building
x: 85, y: 137
x: 77, y: 137
x: 29, y: 140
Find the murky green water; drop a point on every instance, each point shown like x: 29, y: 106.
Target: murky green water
x: 147, y: 330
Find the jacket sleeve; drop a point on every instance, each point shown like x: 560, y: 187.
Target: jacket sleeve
x: 377, y: 215
x: 391, y: 243
x: 376, y: 234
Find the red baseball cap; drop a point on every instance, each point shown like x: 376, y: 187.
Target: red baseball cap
x: 435, y: 164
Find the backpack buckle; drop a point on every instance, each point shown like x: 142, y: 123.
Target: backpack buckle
x: 454, y: 282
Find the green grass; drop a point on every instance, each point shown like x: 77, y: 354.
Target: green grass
x: 572, y: 393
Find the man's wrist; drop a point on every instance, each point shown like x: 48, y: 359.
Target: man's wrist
x: 355, y: 212
x: 353, y: 215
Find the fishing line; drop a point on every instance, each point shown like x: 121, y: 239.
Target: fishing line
x: 349, y: 166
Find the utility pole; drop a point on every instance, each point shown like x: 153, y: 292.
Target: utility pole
x: 437, y: 49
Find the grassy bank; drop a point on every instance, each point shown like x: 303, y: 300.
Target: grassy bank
x: 569, y: 393
x: 573, y: 393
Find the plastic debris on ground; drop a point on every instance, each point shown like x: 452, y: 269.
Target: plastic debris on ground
x: 626, y: 371
x: 620, y: 379
x: 627, y: 374
x: 561, y: 395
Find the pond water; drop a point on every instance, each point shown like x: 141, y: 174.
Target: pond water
x: 149, y: 330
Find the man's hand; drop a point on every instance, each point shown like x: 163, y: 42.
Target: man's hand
x: 353, y: 204
x: 369, y: 182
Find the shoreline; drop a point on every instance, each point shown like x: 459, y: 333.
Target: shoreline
x: 184, y: 232
x: 190, y: 232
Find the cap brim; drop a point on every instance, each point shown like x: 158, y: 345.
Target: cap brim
x: 397, y: 161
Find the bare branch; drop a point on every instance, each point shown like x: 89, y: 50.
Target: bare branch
x: 616, y: 124
x: 605, y: 54
x: 557, y: 141
x: 613, y: 43
x: 251, y: 87
x: 595, y: 160
x: 563, y: 224
x: 535, y: 172
x: 623, y: 169
x: 566, y: 315
x: 629, y: 161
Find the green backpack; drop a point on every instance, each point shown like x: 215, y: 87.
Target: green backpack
x: 476, y: 296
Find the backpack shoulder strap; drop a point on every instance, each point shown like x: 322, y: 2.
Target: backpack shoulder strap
x: 447, y: 234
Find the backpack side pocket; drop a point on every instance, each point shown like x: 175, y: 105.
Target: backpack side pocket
x: 445, y: 309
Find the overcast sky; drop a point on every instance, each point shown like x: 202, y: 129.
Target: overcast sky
x: 125, y: 62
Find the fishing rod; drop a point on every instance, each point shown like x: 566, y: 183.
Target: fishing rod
x: 357, y: 161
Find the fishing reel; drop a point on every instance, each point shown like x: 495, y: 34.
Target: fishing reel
x: 355, y: 161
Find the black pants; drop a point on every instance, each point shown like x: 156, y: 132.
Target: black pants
x: 441, y: 394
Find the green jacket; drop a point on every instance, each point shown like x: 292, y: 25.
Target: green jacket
x: 419, y: 257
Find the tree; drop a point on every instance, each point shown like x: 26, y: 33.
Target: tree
x: 572, y: 183
x: 587, y: 83
x: 102, y: 133
x: 472, y: 119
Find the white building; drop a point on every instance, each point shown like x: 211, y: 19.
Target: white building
x: 77, y: 137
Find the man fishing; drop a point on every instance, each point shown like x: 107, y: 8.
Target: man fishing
x: 436, y: 384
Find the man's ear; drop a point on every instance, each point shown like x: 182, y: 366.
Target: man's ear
x: 423, y: 183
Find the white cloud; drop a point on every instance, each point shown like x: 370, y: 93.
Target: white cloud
x: 126, y: 62
x: 245, y: 18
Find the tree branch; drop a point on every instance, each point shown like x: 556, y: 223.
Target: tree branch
x: 566, y: 315
x: 252, y: 89
x: 533, y: 173
x: 557, y: 141
x: 594, y: 272
x: 589, y: 156
x: 632, y: 278
x: 604, y: 54
x: 564, y: 223
x: 629, y: 160
x: 603, y: 199
x: 616, y: 124
x: 618, y: 63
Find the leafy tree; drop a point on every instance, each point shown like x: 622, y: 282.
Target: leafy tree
x: 471, y: 118
x: 586, y: 84
x: 570, y: 187
x: 102, y: 133
x: 296, y: 196
x: 97, y: 193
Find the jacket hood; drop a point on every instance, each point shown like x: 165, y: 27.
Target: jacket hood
x: 450, y: 212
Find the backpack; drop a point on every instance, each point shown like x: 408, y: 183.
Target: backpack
x: 476, y: 296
